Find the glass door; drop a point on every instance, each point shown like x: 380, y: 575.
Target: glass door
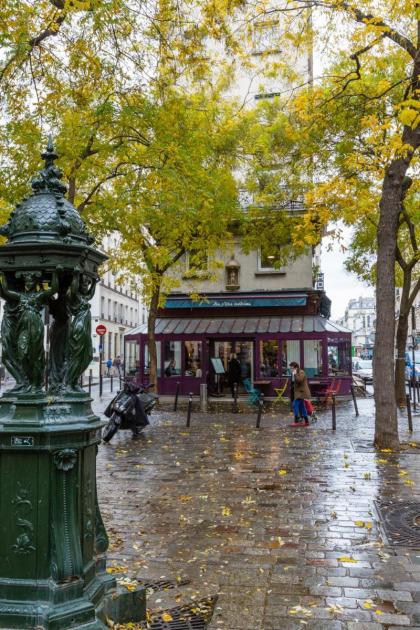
x: 245, y: 353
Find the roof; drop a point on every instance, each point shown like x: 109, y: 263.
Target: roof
x: 240, y: 325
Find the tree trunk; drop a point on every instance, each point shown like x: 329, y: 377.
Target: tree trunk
x: 151, y: 341
x: 401, y: 342
x: 386, y: 423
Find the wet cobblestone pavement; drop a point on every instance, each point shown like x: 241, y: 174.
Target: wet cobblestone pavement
x: 280, y: 522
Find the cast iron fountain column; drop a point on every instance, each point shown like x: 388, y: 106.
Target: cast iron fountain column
x: 52, y: 538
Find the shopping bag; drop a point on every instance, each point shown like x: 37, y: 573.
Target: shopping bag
x: 309, y: 407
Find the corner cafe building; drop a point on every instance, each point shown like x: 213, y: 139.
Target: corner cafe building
x: 266, y: 330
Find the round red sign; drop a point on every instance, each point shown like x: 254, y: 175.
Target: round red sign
x: 101, y: 329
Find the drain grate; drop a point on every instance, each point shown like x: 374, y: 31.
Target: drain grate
x: 194, y: 616
x: 366, y: 446
x: 163, y: 585
x: 400, y: 522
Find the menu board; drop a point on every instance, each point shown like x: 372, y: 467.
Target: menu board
x: 217, y: 365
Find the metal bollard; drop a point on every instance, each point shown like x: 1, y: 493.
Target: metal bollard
x: 260, y: 410
x: 409, y: 417
x: 176, y: 396
x: 334, y: 418
x: 235, y: 398
x: 81, y: 380
x: 203, y: 397
x: 354, y: 400
x: 111, y: 378
x: 189, y: 409
x: 90, y: 382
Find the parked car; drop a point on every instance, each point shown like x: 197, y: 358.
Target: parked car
x: 363, y: 369
x: 409, y: 364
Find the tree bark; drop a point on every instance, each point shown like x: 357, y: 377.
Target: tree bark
x: 386, y: 423
x: 151, y: 340
x: 401, y: 341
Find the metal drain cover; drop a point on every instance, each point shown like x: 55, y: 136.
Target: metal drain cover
x: 400, y: 522
x: 163, y: 585
x: 194, y: 616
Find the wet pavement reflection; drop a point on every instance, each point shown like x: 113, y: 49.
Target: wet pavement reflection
x: 279, y: 522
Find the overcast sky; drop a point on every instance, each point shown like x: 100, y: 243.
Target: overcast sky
x: 340, y: 285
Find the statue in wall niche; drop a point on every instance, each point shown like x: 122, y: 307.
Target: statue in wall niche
x: 80, y: 350
x: 28, y: 327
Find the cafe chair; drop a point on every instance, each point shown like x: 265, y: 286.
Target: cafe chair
x: 253, y: 392
x: 279, y: 391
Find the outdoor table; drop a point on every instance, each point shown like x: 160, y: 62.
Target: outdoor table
x: 261, y: 384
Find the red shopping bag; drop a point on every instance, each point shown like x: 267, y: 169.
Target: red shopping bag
x: 309, y: 407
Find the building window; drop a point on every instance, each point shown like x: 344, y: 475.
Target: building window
x: 102, y: 307
x: 290, y: 351
x: 269, y: 351
x: 110, y: 345
x: 109, y: 310
x: 147, y: 359
x: 172, y: 358
x: 197, y: 263
x: 270, y: 260
x: 312, y: 357
x: 266, y: 37
x: 193, y: 359
x: 339, y: 358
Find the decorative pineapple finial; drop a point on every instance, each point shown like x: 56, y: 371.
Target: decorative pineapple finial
x: 48, y: 179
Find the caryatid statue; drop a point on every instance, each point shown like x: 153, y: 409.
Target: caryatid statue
x: 47, y: 263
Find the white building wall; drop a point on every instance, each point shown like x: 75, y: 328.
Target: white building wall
x: 118, y: 306
x: 296, y: 275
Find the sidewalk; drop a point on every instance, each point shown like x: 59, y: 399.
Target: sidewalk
x: 280, y: 522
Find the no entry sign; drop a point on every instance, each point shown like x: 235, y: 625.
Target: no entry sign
x: 100, y: 329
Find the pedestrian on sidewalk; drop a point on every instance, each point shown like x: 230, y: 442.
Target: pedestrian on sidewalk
x: 234, y: 373
x: 301, y: 391
x: 108, y: 367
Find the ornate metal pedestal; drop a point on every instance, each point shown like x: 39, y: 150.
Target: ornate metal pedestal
x: 52, y: 539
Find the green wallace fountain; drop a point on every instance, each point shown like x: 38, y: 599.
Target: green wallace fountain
x: 52, y: 538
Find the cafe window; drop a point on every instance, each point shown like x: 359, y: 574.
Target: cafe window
x: 290, y: 351
x: 193, y: 364
x: 312, y: 357
x: 147, y: 359
x: 172, y: 358
x: 339, y: 358
x: 132, y: 357
x: 269, y: 351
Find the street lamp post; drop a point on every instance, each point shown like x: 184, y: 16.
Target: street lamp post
x: 52, y: 538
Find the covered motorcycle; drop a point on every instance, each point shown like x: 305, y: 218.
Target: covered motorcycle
x: 129, y: 410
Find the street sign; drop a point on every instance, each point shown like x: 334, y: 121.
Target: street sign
x: 100, y: 329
